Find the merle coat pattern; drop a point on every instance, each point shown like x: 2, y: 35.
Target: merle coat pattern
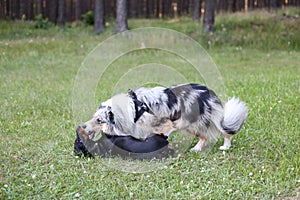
x: 190, y: 107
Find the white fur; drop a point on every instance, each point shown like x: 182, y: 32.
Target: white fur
x: 227, y: 144
x: 235, y: 114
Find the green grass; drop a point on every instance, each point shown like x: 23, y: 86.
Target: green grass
x: 37, y: 72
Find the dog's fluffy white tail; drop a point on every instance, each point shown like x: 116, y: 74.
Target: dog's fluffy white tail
x: 235, y: 114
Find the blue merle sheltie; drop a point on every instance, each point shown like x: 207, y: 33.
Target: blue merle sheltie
x: 192, y: 108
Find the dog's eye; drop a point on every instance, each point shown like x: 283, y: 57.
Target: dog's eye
x: 98, y: 120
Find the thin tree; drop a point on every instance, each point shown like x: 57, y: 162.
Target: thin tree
x: 121, y: 21
x: 234, y: 6
x: 242, y: 5
x: 157, y: 8
x: 209, y: 16
x: 251, y: 4
x: 39, y: 7
x: 13, y: 11
x: 197, y: 12
x: 30, y: 12
x: 69, y: 11
x: 224, y: 5
x: 163, y: 8
x: 78, y: 11
x: 22, y: 7
x: 2, y: 9
x: 61, y: 13
x: 274, y: 4
x: 99, y: 23
x: 149, y: 8
x: 51, y: 10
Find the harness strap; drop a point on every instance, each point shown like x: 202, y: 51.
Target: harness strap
x: 140, y: 107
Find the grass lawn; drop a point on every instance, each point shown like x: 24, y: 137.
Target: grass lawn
x: 37, y: 71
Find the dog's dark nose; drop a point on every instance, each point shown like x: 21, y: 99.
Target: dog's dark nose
x: 84, y: 126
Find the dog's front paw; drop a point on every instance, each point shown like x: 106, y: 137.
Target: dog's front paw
x: 224, y: 147
x: 196, y: 149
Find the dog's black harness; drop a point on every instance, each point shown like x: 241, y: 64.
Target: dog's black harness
x: 140, y: 107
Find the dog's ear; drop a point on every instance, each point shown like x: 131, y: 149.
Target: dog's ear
x: 132, y: 94
x: 111, y: 117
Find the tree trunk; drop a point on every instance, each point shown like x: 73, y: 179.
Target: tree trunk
x: 10, y: 8
x: 13, y: 9
x: 226, y: 5
x: 233, y: 6
x: 149, y: 8
x: 163, y: 8
x: 99, y: 24
x: 69, y: 11
x: 130, y: 8
x: 242, y: 5
x: 157, y: 8
x: 121, y: 21
x: 51, y: 10
x: 136, y: 8
x: 30, y: 12
x: 274, y: 4
x: 39, y: 7
x: 186, y: 6
x: 85, y: 6
x: 209, y: 16
x: 197, y: 11
x: 61, y: 13
x: 22, y: 11
x: 78, y: 11
x: 2, y: 11
x: 251, y: 4
x: 7, y: 9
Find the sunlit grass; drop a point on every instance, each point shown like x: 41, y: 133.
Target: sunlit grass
x: 37, y: 128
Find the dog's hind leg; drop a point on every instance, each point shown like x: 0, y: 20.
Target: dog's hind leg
x: 199, y: 146
x: 227, y: 142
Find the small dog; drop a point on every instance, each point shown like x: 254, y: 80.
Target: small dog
x: 190, y: 107
x: 156, y: 146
